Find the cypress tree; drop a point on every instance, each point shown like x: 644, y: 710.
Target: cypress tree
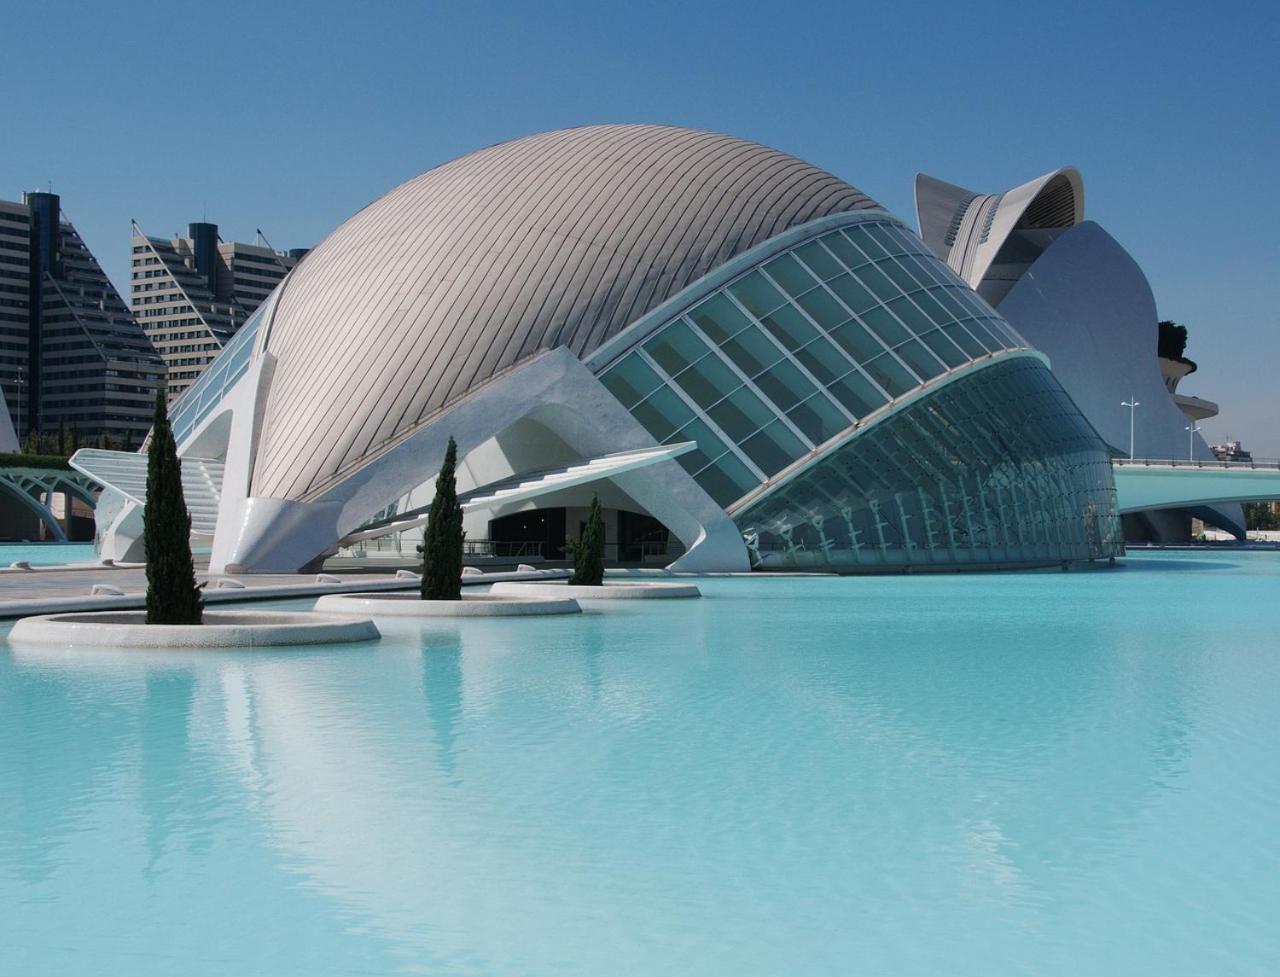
x: 588, y: 555
x: 172, y: 594
x: 442, y: 540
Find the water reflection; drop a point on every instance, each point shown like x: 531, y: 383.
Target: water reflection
x: 749, y: 766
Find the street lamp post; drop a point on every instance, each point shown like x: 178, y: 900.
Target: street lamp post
x: 1133, y: 406
x: 1192, y: 428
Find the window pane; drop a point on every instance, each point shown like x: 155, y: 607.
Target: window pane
x: 846, y: 252
x: 756, y: 294
x: 979, y: 328
x: 631, y: 380
x: 884, y: 325
x: 859, y: 343
x: 881, y: 287
x: 865, y: 242
x: 752, y: 351
x: 857, y: 394
x: 947, y: 296
x: 823, y: 360
x: 676, y: 347
x: 920, y: 359
x: 908, y: 312
x: 964, y: 339
x: 774, y: 448
x: 855, y: 296
x: 931, y: 308
x: 788, y: 273
x: 727, y: 479
x: 789, y: 327
x: 663, y: 414
x: 885, y: 237
x: 708, y: 381
x: 741, y: 414
x: 719, y: 318
x: 899, y: 275
x: 784, y: 385
x: 709, y: 444
x: 826, y: 311
x: 891, y: 375
x: 944, y: 348
x: 818, y: 418
x: 816, y: 257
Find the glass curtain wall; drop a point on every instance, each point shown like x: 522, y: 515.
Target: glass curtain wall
x: 997, y: 468
x: 794, y: 352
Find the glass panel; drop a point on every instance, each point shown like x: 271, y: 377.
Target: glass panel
x: 823, y: 360
x: 885, y: 237
x: 676, y: 347
x: 727, y: 479
x: 979, y: 328
x: 709, y: 381
x: 855, y: 296
x: 891, y: 375
x: 899, y: 275
x: 819, y: 259
x: 719, y: 318
x: 931, y: 308
x: 856, y: 239
x: 907, y: 311
x: 631, y: 380
x: 881, y: 287
x: 863, y: 240
x: 964, y: 339
x: 789, y: 327
x: 752, y: 351
x: 846, y: 252
x: 784, y: 385
x: 920, y: 359
x: 709, y: 443
x: 884, y: 325
x: 861, y: 345
x: 947, y: 296
x: 857, y: 394
x: 741, y: 414
x: 818, y: 418
x: 944, y: 348
x: 663, y: 413
x: 826, y: 311
x: 774, y: 448
x: 788, y: 273
x: 756, y: 294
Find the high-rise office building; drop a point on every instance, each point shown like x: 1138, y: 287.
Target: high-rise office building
x: 71, y: 352
x: 192, y: 293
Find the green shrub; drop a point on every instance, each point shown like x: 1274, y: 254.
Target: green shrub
x: 442, y: 539
x: 172, y: 594
x: 588, y: 552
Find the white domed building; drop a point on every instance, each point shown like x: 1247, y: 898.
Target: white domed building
x: 750, y: 361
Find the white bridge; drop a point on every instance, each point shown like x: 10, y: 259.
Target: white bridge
x: 1167, y: 483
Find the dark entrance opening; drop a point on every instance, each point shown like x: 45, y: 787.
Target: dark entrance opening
x: 542, y: 526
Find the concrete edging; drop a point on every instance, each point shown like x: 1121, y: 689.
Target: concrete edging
x: 607, y: 591
x: 222, y: 629
x: 472, y: 605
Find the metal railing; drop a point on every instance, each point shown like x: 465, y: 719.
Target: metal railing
x: 1264, y: 464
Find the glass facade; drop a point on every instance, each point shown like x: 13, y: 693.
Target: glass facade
x: 996, y: 468
x: 198, y: 400
x: 794, y: 352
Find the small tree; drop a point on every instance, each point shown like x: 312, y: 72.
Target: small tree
x: 172, y: 594
x: 588, y: 553
x: 442, y: 540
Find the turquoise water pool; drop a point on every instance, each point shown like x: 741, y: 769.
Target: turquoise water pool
x: 1042, y: 773
x: 45, y: 554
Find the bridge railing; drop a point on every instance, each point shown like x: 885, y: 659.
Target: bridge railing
x: 1263, y: 464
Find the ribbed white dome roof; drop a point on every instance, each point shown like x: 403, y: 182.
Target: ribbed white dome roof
x: 558, y: 239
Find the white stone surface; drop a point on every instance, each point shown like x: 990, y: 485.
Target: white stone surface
x: 606, y: 591
x: 221, y: 629
x: 517, y: 604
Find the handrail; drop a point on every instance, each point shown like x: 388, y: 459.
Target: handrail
x: 1266, y: 464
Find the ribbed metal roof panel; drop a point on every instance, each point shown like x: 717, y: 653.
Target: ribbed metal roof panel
x: 558, y: 239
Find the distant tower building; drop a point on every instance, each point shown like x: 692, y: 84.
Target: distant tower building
x: 192, y: 293
x: 71, y: 353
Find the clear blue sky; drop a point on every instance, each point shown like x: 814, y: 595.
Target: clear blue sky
x: 290, y: 116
